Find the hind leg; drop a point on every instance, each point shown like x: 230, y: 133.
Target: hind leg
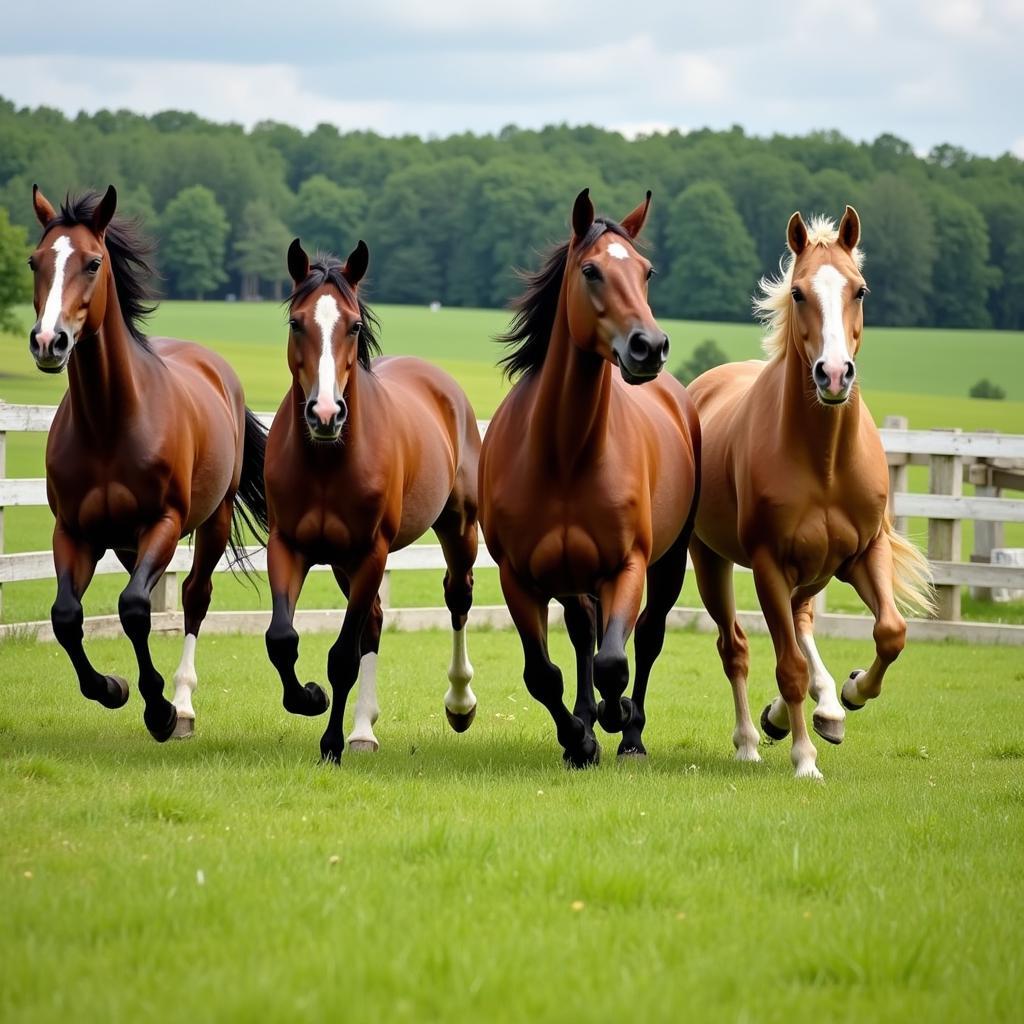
x: 456, y: 530
x: 714, y: 581
x: 367, y: 710
x: 871, y: 576
x: 581, y: 625
x: 211, y: 540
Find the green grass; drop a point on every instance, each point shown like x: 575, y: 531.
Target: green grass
x: 466, y: 878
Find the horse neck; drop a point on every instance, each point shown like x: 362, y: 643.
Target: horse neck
x: 826, y: 434
x: 570, y: 421
x: 103, y: 375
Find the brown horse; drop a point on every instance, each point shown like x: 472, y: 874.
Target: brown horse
x: 795, y: 486
x: 152, y: 442
x: 364, y: 456
x: 589, y: 478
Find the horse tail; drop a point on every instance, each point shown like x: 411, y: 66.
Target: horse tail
x: 249, y: 514
x: 911, y: 574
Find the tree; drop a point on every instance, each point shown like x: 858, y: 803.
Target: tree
x: 706, y: 356
x: 15, y: 277
x: 713, y: 266
x: 984, y: 388
x: 195, y: 230
x: 327, y: 217
x: 766, y: 191
x: 260, y: 250
x: 899, y: 241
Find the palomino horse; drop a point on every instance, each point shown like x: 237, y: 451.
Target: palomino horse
x: 363, y: 457
x: 152, y: 442
x: 589, y: 478
x: 795, y: 486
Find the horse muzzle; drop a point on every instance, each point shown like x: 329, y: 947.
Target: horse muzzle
x: 834, y: 384
x: 325, y: 425
x: 50, y: 349
x: 641, y: 355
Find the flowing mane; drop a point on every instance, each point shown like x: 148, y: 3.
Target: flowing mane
x: 327, y: 269
x: 772, y: 306
x: 530, y: 331
x: 131, y: 253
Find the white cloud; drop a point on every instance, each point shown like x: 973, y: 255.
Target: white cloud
x: 1017, y: 149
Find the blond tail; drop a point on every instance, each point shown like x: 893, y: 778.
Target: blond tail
x: 911, y: 575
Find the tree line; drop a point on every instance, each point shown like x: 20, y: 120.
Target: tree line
x: 450, y: 219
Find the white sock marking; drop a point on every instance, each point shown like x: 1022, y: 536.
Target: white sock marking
x: 185, y: 678
x: 460, y: 699
x: 822, y: 685
x: 55, y: 300
x: 618, y: 251
x: 326, y: 314
x: 366, y: 710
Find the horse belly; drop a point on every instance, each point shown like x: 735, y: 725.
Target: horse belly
x: 565, y: 560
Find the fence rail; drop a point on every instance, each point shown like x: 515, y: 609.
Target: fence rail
x: 989, y: 461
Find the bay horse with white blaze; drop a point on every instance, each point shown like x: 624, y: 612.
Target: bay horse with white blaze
x: 589, y: 477
x: 152, y: 442
x: 364, y: 456
x: 795, y: 485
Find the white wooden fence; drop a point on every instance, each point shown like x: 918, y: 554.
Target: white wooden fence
x: 991, y: 462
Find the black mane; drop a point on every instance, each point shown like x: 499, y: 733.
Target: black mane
x: 131, y: 253
x: 530, y: 331
x: 327, y: 269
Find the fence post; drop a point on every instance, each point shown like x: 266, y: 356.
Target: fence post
x: 384, y: 593
x: 3, y: 474
x: 986, y: 535
x: 946, y: 476
x: 898, y: 474
x: 165, y: 594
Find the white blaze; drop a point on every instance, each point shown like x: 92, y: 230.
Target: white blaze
x: 618, y: 250
x: 326, y: 315
x: 55, y: 300
x: 828, y: 285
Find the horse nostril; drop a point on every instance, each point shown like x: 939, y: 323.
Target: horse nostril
x: 311, y: 412
x: 820, y: 376
x: 639, y: 347
x: 666, y: 345
x: 342, y: 413
x: 849, y: 371
x: 60, y: 343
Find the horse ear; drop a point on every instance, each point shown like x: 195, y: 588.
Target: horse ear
x: 356, y: 264
x: 43, y: 207
x: 104, y: 212
x: 849, y: 229
x: 633, y: 222
x: 796, y: 234
x: 298, y: 262
x: 582, y: 214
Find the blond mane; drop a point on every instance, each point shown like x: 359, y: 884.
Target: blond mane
x: 772, y: 306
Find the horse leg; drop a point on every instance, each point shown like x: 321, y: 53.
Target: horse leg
x: 581, y: 625
x: 664, y: 584
x: 211, y: 540
x: 871, y: 576
x: 457, y: 532
x: 714, y: 581
x: 75, y: 564
x: 156, y: 548
x: 344, y: 656
x: 543, y: 679
x: 774, y: 594
x: 620, y: 606
x: 366, y: 711
x: 287, y: 570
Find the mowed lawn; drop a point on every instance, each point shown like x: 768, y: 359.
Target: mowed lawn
x: 468, y: 878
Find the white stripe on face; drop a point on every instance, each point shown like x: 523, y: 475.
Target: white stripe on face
x: 618, y: 250
x: 326, y: 314
x: 828, y: 285
x: 54, y: 301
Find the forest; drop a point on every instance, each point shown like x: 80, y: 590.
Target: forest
x: 450, y: 219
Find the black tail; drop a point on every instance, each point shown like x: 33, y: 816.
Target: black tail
x: 250, y: 511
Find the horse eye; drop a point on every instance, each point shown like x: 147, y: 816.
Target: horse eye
x: 861, y: 291
x: 798, y: 295
x: 356, y: 327
x: 591, y: 273
x: 94, y: 266
x: 295, y: 326
x: 32, y: 263
x: 651, y: 273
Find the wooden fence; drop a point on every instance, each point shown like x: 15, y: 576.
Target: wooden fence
x: 991, y: 462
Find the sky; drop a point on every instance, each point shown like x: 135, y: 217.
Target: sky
x: 929, y: 71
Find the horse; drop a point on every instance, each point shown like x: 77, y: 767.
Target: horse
x: 589, y: 477
x: 152, y: 442
x: 795, y: 486
x: 366, y: 453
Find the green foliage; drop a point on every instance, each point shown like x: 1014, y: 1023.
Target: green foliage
x: 195, y: 229
x: 326, y: 217
x: 706, y: 356
x: 984, y: 388
x: 713, y: 264
x: 15, y: 277
x: 260, y: 249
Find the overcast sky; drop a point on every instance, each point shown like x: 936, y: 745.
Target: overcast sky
x: 929, y: 71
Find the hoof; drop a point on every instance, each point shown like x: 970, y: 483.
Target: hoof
x: 115, y: 692
x: 184, y: 728
x: 162, y: 722
x: 331, y: 747
x: 460, y: 723
x: 769, y: 728
x: 748, y: 755
x: 607, y: 718
x: 632, y: 752
x: 589, y: 754
x: 831, y: 730
x: 363, y: 746
x: 313, y: 701
x: 852, y: 684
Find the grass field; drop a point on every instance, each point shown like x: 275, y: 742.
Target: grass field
x: 467, y: 878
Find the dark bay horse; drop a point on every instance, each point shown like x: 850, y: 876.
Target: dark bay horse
x: 795, y: 486
x: 152, y: 442
x: 589, y: 477
x: 365, y: 455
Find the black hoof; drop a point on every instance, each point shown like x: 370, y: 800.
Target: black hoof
x: 612, y: 722
x: 632, y: 750
x: 829, y: 729
x: 587, y: 755
x: 330, y: 749
x: 115, y: 692
x: 460, y: 723
x: 161, y: 721
x: 842, y: 696
x: 310, y: 701
x: 769, y: 728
